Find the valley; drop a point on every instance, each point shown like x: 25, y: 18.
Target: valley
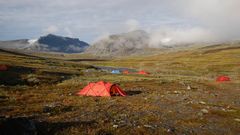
x: 179, y: 96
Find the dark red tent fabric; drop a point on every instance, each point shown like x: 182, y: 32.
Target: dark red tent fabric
x: 223, y: 78
x: 126, y: 72
x: 142, y: 72
x: 3, y: 68
x: 102, y: 89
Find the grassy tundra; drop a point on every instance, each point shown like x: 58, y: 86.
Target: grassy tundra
x: 180, y: 96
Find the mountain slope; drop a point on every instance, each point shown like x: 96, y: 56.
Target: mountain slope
x: 48, y: 43
x: 15, y: 44
x: 121, y: 44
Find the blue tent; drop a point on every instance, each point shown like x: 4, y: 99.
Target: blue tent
x: 115, y: 72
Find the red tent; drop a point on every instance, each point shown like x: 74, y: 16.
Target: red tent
x: 126, y: 72
x: 102, y: 89
x: 222, y: 78
x: 142, y: 72
x: 3, y: 68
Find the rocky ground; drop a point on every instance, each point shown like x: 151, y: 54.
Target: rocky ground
x: 38, y: 96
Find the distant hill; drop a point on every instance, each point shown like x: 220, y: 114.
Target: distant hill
x: 126, y: 44
x: 48, y: 43
x: 130, y: 43
x: 15, y: 44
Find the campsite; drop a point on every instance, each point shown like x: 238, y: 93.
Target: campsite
x: 180, y: 95
x: 119, y: 67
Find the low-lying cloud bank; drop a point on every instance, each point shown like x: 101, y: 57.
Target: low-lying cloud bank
x: 219, y: 16
x: 169, y: 36
x: 204, y: 21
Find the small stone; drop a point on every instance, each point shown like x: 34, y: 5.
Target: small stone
x: 205, y: 111
x: 176, y: 92
x: 200, y: 114
x: 202, y: 102
x: 115, y: 126
x: 33, y: 80
x: 232, y: 110
x: 121, y: 121
x: 170, y: 111
x: 190, y: 102
x: 237, y: 119
x: 172, y: 129
x: 189, y: 87
x: 148, y: 126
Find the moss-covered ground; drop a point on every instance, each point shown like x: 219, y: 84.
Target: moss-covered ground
x: 180, y: 96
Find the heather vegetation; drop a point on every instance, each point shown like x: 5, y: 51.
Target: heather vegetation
x: 179, y: 96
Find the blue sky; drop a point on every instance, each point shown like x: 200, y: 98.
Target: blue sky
x: 189, y: 20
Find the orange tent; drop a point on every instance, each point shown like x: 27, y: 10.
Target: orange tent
x: 126, y: 72
x: 102, y: 89
x: 222, y: 78
x: 142, y: 72
x: 3, y: 68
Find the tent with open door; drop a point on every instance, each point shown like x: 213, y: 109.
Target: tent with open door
x: 222, y: 78
x: 126, y: 72
x: 102, y: 89
x: 142, y: 72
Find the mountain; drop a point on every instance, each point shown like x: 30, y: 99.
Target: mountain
x: 15, y: 44
x: 134, y: 42
x: 48, y: 43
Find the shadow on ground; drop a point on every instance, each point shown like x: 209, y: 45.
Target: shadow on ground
x: 27, y: 126
x: 18, y: 75
x: 133, y: 93
x: 12, y: 76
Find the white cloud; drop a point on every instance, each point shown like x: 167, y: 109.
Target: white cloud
x: 68, y: 32
x: 219, y: 16
x: 50, y: 29
x: 205, y: 19
x: 102, y: 36
x: 132, y: 25
x: 178, y: 36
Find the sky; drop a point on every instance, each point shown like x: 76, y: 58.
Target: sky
x: 167, y: 21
